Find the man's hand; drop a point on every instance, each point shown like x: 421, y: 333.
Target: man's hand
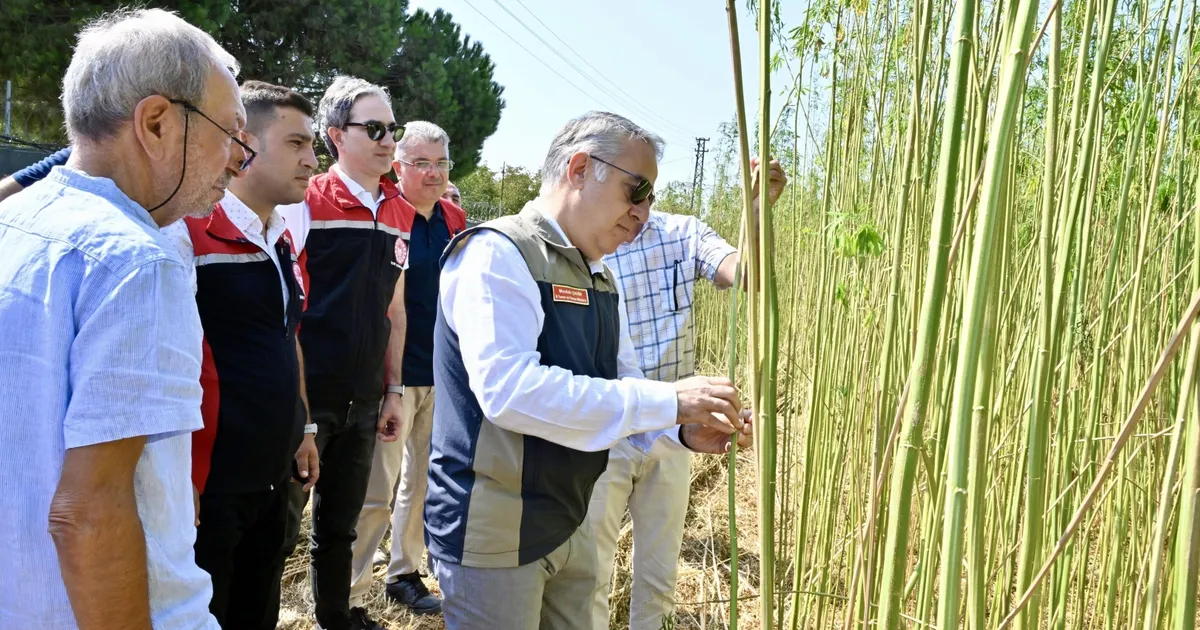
x: 390, y: 418
x: 711, y: 402
x: 702, y: 439
x: 778, y: 181
x: 308, y: 461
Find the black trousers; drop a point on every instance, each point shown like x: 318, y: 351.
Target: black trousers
x: 239, y: 544
x: 346, y: 443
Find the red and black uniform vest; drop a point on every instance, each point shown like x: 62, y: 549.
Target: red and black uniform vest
x: 350, y: 263
x: 253, y: 417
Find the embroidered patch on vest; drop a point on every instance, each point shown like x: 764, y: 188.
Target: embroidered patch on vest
x: 571, y: 295
x: 401, y: 252
x: 299, y: 278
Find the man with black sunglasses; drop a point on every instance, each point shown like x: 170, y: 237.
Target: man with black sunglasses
x: 351, y: 232
x: 657, y: 268
x: 248, y: 290
x: 537, y: 379
x: 422, y: 167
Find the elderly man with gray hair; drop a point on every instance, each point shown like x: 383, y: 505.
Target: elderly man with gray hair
x: 422, y: 163
x: 351, y: 233
x: 102, y: 346
x: 537, y: 378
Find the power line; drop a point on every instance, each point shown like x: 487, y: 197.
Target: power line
x: 585, y: 75
x: 663, y: 121
x: 548, y: 66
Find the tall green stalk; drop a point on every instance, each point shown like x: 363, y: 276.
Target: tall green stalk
x: 767, y: 312
x: 1045, y: 356
x: 748, y: 255
x: 895, y: 556
x: 1187, y: 538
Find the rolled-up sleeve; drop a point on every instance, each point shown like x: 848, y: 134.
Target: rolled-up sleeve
x: 135, y: 359
x: 489, y: 295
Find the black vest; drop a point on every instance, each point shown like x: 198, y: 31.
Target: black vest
x: 253, y: 418
x: 498, y: 498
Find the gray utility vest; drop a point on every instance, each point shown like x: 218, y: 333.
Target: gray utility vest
x: 498, y: 498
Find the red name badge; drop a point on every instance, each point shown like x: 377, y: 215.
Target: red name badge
x: 571, y: 295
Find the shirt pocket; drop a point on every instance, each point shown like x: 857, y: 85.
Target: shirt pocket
x: 677, y: 283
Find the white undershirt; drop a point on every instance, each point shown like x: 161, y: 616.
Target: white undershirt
x: 488, y: 293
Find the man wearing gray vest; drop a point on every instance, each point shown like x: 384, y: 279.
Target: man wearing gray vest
x: 541, y: 382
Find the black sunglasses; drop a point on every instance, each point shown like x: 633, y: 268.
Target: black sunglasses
x: 375, y: 129
x: 250, y: 153
x: 644, y: 189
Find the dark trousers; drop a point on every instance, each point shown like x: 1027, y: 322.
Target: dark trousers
x: 346, y: 443
x: 239, y: 544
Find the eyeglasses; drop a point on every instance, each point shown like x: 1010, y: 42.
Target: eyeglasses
x: 376, y: 130
x: 444, y: 166
x: 644, y: 189
x: 250, y: 153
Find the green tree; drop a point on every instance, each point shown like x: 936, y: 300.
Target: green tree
x: 440, y: 75
x: 432, y: 70
x: 36, y: 41
x: 480, y: 186
x: 487, y: 194
x: 675, y: 198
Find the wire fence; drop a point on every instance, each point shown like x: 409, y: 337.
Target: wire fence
x: 480, y: 211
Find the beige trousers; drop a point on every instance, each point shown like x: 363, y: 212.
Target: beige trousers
x: 408, y: 460
x: 547, y: 594
x: 654, y: 486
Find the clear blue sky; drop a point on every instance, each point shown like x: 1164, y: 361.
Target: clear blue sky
x: 669, y: 60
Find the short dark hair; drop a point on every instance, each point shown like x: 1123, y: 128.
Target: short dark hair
x: 261, y: 99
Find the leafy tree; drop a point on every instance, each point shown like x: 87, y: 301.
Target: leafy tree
x: 440, y: 75
x: 674, y: 198
x: 481, y: 186
x: 487, y: 194
x: 299, y: 43
x: 36, y: 42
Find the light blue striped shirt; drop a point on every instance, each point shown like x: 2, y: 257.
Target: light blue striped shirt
x: 657, y: 273
x: 100, y: 342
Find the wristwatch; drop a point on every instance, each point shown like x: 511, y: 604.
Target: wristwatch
x: 310, y: 429
x: 396, y: 389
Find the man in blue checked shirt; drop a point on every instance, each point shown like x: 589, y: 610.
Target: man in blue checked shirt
x: 657, y: 270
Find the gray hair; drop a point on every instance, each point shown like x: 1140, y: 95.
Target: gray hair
x: 419, y: 131
x: 127, y: 55
x: 602, y: 134
x: 339, y: 99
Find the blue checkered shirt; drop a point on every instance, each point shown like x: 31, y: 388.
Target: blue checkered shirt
x: 657, y: 273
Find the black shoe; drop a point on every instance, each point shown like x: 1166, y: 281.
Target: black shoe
x: 410, y: 591
x: 360, y: 620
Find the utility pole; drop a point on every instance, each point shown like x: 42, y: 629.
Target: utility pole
x: 8, y: 108
x: 698, y: 174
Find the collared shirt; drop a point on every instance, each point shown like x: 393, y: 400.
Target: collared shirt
x: 102, y: 343
x: 493, y: 304
x: 247, y: 221
x: 428, y: 240
x: 299, y: 219
x: 657, y: 273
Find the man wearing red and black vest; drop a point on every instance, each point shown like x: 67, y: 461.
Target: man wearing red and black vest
x: 351, y: 232
x: 249, y: 296
x: 422, y: 165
